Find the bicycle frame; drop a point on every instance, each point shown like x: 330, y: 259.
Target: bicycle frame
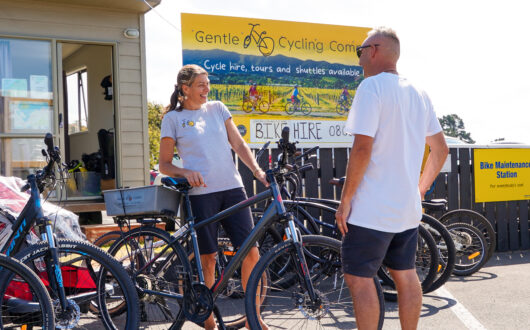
x: 273, y: 213
x: 30, y: 215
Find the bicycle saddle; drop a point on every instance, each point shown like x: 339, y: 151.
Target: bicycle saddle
x: 181, y: 184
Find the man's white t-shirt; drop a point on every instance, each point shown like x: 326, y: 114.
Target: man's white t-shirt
x: 399, y: 117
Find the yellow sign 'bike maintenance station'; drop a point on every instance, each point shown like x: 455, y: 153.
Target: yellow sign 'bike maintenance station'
x: 502, y: 175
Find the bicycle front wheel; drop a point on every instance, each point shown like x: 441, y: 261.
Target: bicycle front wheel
x: 26, y: 301
x: 306, y: 108
x: 264, y: 106
x: 291, y: 307
x: 89, y: 276
x: 471, y: 248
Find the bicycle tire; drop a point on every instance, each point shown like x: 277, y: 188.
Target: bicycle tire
x: 290, y: 108
x: 247, y: 106
x: 88, y: 261
x: 475, y: 219
x: 306, y: 108
x: 323, y: 260
x: 446, y: 250
x: 426, y: 265
x: 171, y: 277
x: 246, y: 41
x: 470, y: 243
x: 25, y: 300
x: 264, y: 106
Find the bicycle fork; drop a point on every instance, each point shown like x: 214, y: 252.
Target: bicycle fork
x: 53, y: 267
x: 300, y: 262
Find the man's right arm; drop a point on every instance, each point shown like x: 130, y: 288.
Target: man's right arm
x: 435, y: 161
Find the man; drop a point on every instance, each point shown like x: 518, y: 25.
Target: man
x: 380, y: 206
x: 294, y: 97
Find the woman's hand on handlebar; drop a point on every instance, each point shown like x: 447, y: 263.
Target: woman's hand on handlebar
x: 261, y: 176
x: 195, y: 179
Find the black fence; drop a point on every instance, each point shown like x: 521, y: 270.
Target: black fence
x: 510, y: 219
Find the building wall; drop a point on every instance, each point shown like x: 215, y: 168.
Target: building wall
x: 65, y: 22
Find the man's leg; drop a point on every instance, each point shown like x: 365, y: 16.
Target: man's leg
x: 365, y: 301
x: 409, y: 297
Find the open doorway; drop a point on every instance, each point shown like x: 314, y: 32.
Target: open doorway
x: 86, y: 118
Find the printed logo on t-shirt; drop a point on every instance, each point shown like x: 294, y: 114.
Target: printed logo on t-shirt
x: 186, y: 123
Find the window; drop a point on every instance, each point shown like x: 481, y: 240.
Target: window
x: 26, y: 104
x: 76, y: 86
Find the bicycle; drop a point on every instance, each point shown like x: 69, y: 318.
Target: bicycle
x: 25, y: 300
x: 344, y: 105
x: 466, y: 238
x: 292, y: 106
x: 172, y: 273
x: 77, y: 274
x: 265, y: 44
x: 260, y: 104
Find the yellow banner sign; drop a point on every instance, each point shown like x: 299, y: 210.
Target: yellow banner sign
x: 501, y: 175
x: 272, y: 74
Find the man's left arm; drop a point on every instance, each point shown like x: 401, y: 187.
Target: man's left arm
x: 435, y: 161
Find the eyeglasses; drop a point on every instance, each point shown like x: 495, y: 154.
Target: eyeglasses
x: 359, y: 49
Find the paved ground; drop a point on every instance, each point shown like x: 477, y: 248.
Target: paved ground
x: 496, y: 297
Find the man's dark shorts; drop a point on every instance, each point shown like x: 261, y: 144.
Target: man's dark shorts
x: 364, y: 250
x: 237, y: 226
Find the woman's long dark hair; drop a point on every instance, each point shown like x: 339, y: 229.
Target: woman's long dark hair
x: 186, y: 76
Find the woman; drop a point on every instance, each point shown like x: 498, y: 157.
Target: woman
x: 204, y: 134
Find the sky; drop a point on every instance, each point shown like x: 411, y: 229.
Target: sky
x: 470, y: 56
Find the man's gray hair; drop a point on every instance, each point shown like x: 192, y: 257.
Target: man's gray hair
x: 385, y: 32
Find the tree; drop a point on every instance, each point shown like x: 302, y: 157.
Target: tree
x: 154, y: 118
x: 453, y: 125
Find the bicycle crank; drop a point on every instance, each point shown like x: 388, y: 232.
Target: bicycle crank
x: 198, y: 303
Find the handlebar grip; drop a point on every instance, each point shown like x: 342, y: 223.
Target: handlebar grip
x: 25, y: 187
x: 48, y: 140
x: 285, y: 134
x: 308, y: 153
x: 305, y: 168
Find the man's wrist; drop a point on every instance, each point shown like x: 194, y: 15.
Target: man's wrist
x: 256, y: 171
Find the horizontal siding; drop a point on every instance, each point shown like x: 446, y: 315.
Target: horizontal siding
x: 128, y: 100
x: 130, y: 76
x: 131, y: 126
x: 131, y: 113
x: 131, y: 88
x: 134, y: 162
x: 131, y: 48
x: 132, y: 137
x: 133, y: 174
x: 130, y: 62
x: 81, y: 17
x: 129, y: 150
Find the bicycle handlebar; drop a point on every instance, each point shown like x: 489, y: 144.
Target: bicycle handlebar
x: 53, y: 155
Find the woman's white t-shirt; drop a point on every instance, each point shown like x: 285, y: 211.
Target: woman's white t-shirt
x: 202, y: 143
x: 399, y: 117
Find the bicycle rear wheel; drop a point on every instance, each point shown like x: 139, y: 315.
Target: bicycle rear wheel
x: 25, y: 300
x: 471, y: 248
x: 446, y: 251
x: 90, y: 276
x: 476, y: 220
x: 291, y: 307
x: 158, y: 266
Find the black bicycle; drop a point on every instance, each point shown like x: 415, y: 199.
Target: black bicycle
x: 25, y: 302
x: 305, y: 270
x: 265, y: 44
x: 77, y: 274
